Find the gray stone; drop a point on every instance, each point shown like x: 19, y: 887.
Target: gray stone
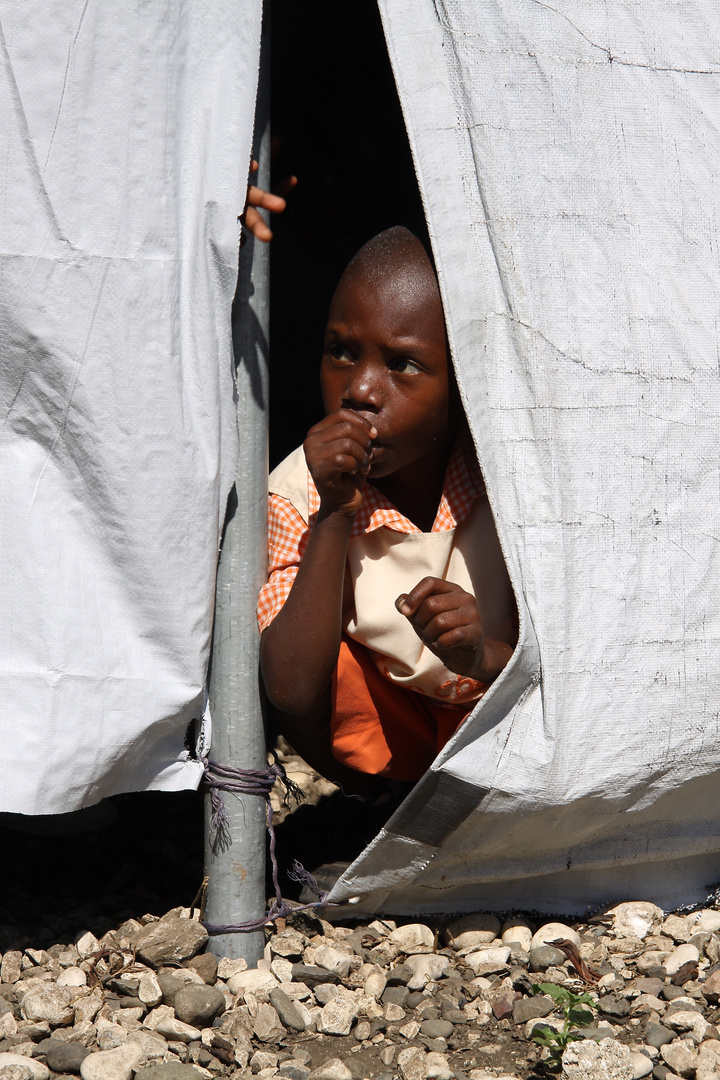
x: 198, y: 1005
x: 606, y: 1060
x: 396, y: 995
x: 656, y: 1035
x: 173, y: 1070
x: 530, y: 1007
x: 612, y: 1006
x: 267, y: 1025
x: 312, y: 975
x: 169, y: 987
x: 325, y: 992
x: 288, y: 1011
x: 170, y: 940
x: 545, y: 956
x: 293, y: 1071
x: 436, y: 1029
x: 65, y: 1057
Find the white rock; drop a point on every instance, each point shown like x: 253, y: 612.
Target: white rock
x: 157, y: 1015
x: 705, y: 922
x: 375, y: 982
x: 153, y: 1046
x: 72, y: 976
x: 409, y: 1030
x: 333, y: 1069
x: 684, y: 954
x: 149, y: 990
x: 514, y: 930
x: 635, y: 919
x: 551, y: 932
x: 473, y: 930
x: 676, y: 927
x: 708, y: 1060
x: 427, y: 967
x: 333, y: 960
x: 547, y: 1021
x: 87, y: 944
x: 392, y: 1012
x: 689, y: 1020
x: 11, y: 967
x: 39, y: 1071
x: 253, y: 980
x: 227, y: 967
x: 87, y: 1006
x: 175, y: 1030
x: 414, y: 937
x: 680, y: 1056
x: 8, y: 1025
x: 115, y: 1064
x: 489, y: 960
x: 642, y: 1065
x: 336, y: 1018
x: 52, y: 1003
x: 263, y: 1059
x: 604, y: 1060
x: 412, y: 1063
x: 281, y: 969
x: 438, y: 1067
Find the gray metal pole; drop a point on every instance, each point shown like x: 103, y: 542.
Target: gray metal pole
x: 236, y: 887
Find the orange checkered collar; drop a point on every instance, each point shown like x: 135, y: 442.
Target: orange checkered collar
x: 463, y: 485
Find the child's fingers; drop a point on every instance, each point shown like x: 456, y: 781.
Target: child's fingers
x: 408, y: 603
x: 266, y: 199
x: 256, y: 224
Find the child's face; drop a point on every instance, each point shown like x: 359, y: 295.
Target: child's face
x: 385, y: 357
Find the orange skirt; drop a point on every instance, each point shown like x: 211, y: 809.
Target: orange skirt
x: 381, y: 728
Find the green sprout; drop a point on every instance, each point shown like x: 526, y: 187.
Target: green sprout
x: 574, y: 1016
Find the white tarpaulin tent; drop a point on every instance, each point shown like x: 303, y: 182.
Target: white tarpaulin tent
x: 125, y: 144
x: 566, y: 155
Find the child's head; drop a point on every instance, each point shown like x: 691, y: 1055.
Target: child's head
x: 386, y: 356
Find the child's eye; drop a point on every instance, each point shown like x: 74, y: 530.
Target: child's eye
x: 405, y: 366
x: 340, y: 354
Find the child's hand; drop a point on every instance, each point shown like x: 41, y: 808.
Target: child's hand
x: 448, y: 621
x: 272, y: 201
x: 337, y: 451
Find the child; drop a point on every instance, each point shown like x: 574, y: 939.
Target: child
x: 388, y: 610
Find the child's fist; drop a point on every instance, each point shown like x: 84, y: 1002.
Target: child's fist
x: 447, y: 620
x: 338, y: 451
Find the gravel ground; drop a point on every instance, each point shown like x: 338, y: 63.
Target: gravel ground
x: 95, y: 980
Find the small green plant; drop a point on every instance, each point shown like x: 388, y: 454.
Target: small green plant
x: 575, y: 1015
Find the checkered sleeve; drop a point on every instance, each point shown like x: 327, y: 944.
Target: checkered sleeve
x: 287, y: 540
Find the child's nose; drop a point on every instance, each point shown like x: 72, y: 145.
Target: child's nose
x: 362, y: 390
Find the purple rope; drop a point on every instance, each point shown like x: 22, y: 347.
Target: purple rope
x: 260, y: 782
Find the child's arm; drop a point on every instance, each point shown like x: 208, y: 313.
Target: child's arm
x: 447, y: 619
x: 299, y: 649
